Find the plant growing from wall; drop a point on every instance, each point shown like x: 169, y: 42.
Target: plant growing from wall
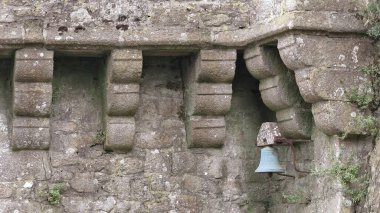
x: 100, y: 138
x: 367, y: 98
x: 371, y: 16
x: 292, y: 198
x: 54, y: 194
x: 354, y: 182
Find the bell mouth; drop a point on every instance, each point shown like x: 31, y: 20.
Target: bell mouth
x: 269, y: 162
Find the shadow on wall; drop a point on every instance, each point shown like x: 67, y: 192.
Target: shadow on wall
x: 77, y: 101
x: 247, y: 114
x: 6, y: 66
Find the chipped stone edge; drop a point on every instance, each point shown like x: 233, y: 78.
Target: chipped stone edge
x: 173, y: 37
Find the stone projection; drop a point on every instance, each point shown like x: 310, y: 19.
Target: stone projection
x: 156, y: 106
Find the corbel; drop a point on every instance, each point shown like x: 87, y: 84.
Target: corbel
x: 32, y: 96
x: 124, y: 68
x: 326, y: 68
x: 279, y: 91
x: 208, y: 93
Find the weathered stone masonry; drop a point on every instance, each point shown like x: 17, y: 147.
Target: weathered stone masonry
x: 32, y: 96
x: 122, y: 98
x: 179, y: 90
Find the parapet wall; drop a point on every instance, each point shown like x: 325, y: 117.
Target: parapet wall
x: 154, y: 106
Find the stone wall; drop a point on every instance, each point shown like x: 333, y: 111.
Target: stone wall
x: 154, y: 106
x: 160, y: 173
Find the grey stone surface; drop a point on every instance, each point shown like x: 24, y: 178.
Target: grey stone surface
x: 122, y: 99
x: 267, y: 133
x: 327, y: 113
x: 295, y: 122
x: 321, y: 41
x: 33, y: 65
x: 207, y: 82
x: 279, y: 91
x: 206, y: 132
x: 32, y: 99
x: 347, y: 52
x: 124, y: 69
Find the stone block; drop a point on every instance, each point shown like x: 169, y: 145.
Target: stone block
x: 336, y: 117
x: 300, y: 50
x: 262, y: 62
x: 125, y: 66
x: 157, y: 161
x: 33, y: 31
x: 212, y: 99
x: 183, y: 162
x: 216, y: 71
x: 120, y: 133
x: 123, y: 166
x: 267, y: 133
x: 23, y: 164
x: 205, y: 132
x: 295, y: 122
x: 33, y: 70
x: 218, y: 55
x: 197, y: 184
x: 30, y: 133
x: 84, y: 183
x: 125, y: 71
x: 122, y: 99
x: 279, y: 92
x: 305, y: 81
x: 212, y: 104
x: 33, y: 65
x: 34, y: 54
x: 126, y: 54
x: 11, y: 34
x: 334, y: 84
x: 317, y: 84
x: 211, y: 167
x: 32, y: 99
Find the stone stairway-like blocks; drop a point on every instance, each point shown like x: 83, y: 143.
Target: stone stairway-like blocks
x: 326, y: 68
x: 124, y: 70
x: 208, y: 93
x: 279, y: 91
x: 32, y: 96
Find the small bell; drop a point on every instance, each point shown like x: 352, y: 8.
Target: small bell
x: 269, y: 161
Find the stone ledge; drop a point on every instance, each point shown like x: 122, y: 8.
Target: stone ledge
x: 108, y: 37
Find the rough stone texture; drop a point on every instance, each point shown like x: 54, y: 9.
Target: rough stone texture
x: 268, y: 131
x: 279, y: 91
x: 321, y: 41
x: 122, y: 98
x: 317, y: 72
x: 159, y: 174
x: 207, y: 79
x: 372, y: 200
x: 32, y: 96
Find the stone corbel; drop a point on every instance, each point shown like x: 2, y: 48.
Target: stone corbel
x: 279, y: 91
x: 124, y: 70
x: 208, y: 93
x: 325, y: 69
x: 32, y: 96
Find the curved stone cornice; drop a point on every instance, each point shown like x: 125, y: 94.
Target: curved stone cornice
x: 108, y: 37
x: 325, y: 69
